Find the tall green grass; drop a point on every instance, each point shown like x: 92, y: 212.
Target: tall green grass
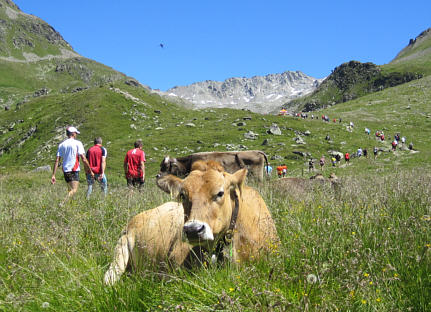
x: 363, y: 246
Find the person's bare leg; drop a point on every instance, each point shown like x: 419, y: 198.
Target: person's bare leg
x: 73, y: 188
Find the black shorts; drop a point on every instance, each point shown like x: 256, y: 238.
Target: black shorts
x: 71, y: 176
x: 136, y: 182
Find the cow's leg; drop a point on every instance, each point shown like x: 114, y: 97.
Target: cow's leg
x: 121, y: 259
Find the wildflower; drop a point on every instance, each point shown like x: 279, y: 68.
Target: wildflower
x: 364, y: 301
x: 277, y: 290
x: 353, y: 233
x: 378, y: 299
x: 371, y: 282
x: 45, y: 305
x: 311, y: 278
x: 395, y: 274
x: 428, y: 245
x: 231, y: 289
x: 366, y: 274
x: 352, y: 293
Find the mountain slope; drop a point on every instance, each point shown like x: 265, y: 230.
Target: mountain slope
x: 354, y: 79
x: 120, y: 110
x: 260, y: 94
x: 41, y: 60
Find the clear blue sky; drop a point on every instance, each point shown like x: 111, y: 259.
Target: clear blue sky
x: 216, y: 40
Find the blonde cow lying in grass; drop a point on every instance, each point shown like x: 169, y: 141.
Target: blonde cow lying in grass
x: 217, y: 213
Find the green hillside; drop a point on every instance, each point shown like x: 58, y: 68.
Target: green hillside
x: 30, y: 135
x: 354, y: 79
x: 360, y: 245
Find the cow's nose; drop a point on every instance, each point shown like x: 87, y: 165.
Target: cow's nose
x: 198, y: 231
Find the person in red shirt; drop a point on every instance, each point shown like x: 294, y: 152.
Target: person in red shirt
x: 134, y: 166
x: 96, y: 156
x: 347, y: 158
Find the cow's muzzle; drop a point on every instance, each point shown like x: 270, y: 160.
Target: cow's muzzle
x: 198, y: 231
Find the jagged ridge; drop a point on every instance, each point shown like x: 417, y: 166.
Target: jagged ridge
x: 260, y: 94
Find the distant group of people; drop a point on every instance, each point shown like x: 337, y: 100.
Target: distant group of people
x: 323, y: 117
x: 71, y: 151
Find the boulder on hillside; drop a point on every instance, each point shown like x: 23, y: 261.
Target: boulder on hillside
x: 274, y: 129
x: 132, y: 82
x: 298, y: 140
x: 42, y: 168
x: 302, y: 154
x: 250, y: 135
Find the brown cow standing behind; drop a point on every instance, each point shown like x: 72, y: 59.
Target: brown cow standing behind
x: 254, y: 161
x: 218, y: 213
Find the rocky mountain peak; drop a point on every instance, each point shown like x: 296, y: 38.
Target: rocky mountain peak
x: 27, y: 37
x: 260, y: 94
x: 8, y: 3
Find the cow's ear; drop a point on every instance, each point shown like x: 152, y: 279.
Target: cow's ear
x: 166, y: 160
x: 238, y: 179
x: 170, y: 184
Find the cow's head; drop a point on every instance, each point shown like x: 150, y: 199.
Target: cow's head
x: 208, y: 197
x: 171, y: 166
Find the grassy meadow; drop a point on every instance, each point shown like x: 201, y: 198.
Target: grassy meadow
x: 364, y: 246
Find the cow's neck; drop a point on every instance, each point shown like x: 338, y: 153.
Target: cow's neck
x: 227, y: 237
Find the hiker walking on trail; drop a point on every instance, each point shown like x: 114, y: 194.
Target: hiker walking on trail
x: 70, y: 151
x: 375, y: 151
x: 322, y: 162
x: 311, y: 165
x: 96, y: 156
x: 347, y: 158
x: 134, y: 166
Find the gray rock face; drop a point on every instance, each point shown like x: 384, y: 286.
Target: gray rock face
x: 274, y: 129
x: 260, y: 94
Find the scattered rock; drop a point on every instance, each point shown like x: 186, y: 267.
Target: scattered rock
x: 246, y: 118
x: 40, y: 92
x: 190, y: 125
x: 265, y: 142
x: 276, y: 157
x: 132, y: 126
x: 42, y: 168
x: 274, y: 129
x: 79, y: 89
x: 307, y: 133
x: 298, y: 140
x: 132, y: 82
x: 251, y: 135
x: 157, y: 111
x: 302, y: 154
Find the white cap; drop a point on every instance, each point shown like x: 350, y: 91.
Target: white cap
x: 72, y: 130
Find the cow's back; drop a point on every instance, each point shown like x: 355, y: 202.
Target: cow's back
x: 255, y: 227
x: 156, y: 234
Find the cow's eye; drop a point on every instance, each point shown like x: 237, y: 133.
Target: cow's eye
x: 219, y: 195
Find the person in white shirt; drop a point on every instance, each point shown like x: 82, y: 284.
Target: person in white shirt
x: 70, y: 151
